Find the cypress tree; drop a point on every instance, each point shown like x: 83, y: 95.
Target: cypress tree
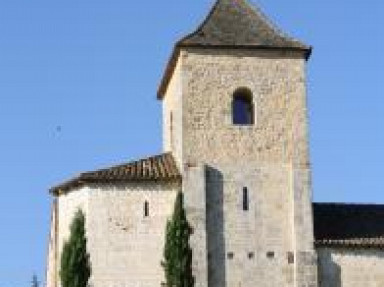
x: 75, y: 268
x: 35, y: 282
x: 177, y: 261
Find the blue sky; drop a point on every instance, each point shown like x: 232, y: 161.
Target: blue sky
x: 78, y: 80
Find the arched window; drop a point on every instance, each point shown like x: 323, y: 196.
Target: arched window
x: 146, y: 209
x: 242, y: 107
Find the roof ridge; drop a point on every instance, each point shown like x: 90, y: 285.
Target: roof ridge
x: 129, y: 162
x: 256, y: 8
x: 346, y: 204
x: 200, y: 27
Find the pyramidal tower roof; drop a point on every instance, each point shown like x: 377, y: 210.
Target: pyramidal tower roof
x: 237, y: 23
x: 234, y: 24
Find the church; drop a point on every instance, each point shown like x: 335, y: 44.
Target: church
x: 235, y: 142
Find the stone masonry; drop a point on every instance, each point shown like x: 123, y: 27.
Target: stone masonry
x: 269, y: 158
x: 247, y: 187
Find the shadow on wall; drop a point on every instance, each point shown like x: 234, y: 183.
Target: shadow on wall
x: 329, y: 271
x: 215, y: 227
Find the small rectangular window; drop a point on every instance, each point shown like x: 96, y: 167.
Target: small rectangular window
x: 270, y: 254
x: 230, y: 255
x: 291, y: 258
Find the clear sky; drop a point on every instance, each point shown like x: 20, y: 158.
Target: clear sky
x: 78, y: 81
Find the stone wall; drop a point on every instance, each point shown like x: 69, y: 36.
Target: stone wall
x: 277, y: 81
x: 355, y: 267
x: 271, y: 244
x: 194, y: 185
x: 172, y: 116
x: 51, y: 271
x: 125, y: 247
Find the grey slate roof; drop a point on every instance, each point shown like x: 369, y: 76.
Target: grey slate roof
x: 160, y: 168
x: 237, y: 23
x: 233, y: 24
x: 349, y: 225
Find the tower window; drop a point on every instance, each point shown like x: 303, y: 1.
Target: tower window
x: 245, y: 199
x: 242, y: 107
x: 146, y: 209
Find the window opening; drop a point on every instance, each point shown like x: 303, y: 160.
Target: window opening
x: 245, y: 199
x: 242, y: 107
x: 146, y: 209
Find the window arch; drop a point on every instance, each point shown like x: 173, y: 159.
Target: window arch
x: 242, y: 107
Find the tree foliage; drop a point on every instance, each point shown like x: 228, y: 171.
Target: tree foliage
x: 75, y: 268
x: 177, y: 262
x: 35, y: 282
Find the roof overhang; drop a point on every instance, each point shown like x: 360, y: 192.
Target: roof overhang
x: 159, y: 169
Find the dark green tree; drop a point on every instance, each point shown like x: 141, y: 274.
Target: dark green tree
x: 177, y: 262
x: 75, y: 268
x: 35, y: 282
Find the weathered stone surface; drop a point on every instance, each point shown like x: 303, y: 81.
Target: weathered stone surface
x: 270, y: 158
x: 268, y: 243
x: 351, y: 267
x: 271, y: 243
x: 126, y: 248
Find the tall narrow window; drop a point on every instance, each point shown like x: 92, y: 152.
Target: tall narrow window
x: 245, y: 199
x: 146, y: 209
x: 242, y: 107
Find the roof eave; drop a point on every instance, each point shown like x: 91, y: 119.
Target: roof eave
x: 347, y: 245
x: 75, y: 184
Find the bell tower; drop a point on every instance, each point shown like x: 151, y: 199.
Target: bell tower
x: 235, y: 119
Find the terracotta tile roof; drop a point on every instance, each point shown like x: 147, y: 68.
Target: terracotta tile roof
x: 349, y: 225
x: 233, y: 24
x: 157, y: 168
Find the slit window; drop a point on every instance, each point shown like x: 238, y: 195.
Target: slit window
x: 245, y: 199
x: 242, y: 107
x: 146, y: 209
x: 171, y: 128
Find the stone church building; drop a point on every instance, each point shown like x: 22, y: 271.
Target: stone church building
x: 235, y: 134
